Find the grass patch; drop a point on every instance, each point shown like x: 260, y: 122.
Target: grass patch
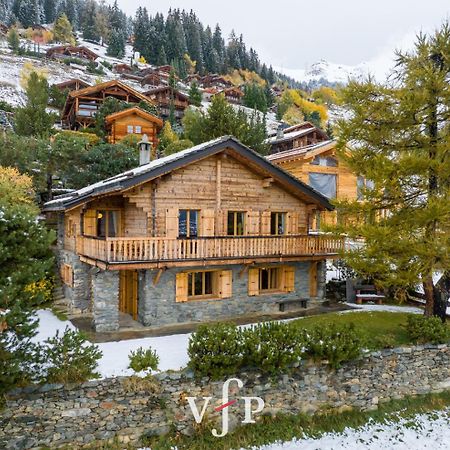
x: 286, y: 427
x: 380, y: 328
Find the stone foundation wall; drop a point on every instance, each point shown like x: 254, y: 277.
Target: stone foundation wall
x: 105, y: 299
x: 157, y: 305
x: 53, y: 415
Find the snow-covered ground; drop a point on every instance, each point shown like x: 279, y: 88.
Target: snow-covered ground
x: 387, y: 308
x: 172, y: 350
x: 423, y: 431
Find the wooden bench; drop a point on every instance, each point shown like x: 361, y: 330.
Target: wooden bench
x: 368, y: 293
x: 292, y: 304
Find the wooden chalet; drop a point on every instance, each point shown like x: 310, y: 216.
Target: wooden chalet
x: 82, y: 105
x: 4, y: 29
x: 318, y: 166
x: 296, y: 137
x: 162, y: 97
x: 70, y: 51
x: 154, y: 80
x: 214, y: 232
x: 74, y: 84
x: 122, y: 68
x: 216, y: 81
x: 134, y: 121
x: 232, y: 95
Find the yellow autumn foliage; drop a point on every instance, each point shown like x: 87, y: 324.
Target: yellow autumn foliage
x: 27, y: 69
x: 326, y: 95
x: 241, y: 76
x: 16, y: 188
x: 40, y: 291
x: 293, y: 115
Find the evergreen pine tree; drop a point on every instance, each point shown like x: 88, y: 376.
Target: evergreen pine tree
x: 116, y: 44
x: 89, y: 25
x: 195, y: 96
x: 13, y: 40
x: 400, y: 137
x: 62, y: 31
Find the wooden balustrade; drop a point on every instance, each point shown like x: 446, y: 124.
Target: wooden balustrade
x: 165, y: 249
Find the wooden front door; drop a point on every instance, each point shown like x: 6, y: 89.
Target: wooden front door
x: 313, y: 279
x: 128, y: 288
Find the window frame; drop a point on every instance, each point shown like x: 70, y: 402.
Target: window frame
x: 235, y: 223
x: 130, y: 127
x: 188, y: 223
x: 277, y: 215
x: 107, y: 212
x: 191, y: 285
x: 270, y: 289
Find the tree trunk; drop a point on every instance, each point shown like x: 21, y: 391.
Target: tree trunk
x: 49, y: 186
x: 428, y: 289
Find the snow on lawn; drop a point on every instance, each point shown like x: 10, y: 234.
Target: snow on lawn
x: 386, y: 308
x: 423, y: 431
x: 172, y: 350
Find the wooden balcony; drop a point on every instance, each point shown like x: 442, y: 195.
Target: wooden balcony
x: 157, y: 250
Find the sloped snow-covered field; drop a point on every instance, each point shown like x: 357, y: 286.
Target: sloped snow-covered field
x: 423, y: 431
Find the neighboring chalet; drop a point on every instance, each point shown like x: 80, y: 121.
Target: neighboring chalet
x: 214, y: 232
x: 295, y: 137
x: 122, y: 68
x: 215, y: 81
x: 319, y: 167
x: 70, y: 51
x: 162, y: 97
x: 133, y: 121
x: 82, y: 105
x: 73, y: 84
x: 232, y: 95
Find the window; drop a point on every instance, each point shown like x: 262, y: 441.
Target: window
x: 188, y: 223
x: 328, y: 161
x: 325, y: 183
x: 361, y: 184
x: 277, y: 223
x: 67, y: 274
x: 130, y: 129
x: 269, y: 279
x: 108, y: 223
x: 138, y: 129
x: 204, y: 284
x: 200, y: 284
x: 235, y: 223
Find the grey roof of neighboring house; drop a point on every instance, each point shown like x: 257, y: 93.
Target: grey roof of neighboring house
x: 158, y: 167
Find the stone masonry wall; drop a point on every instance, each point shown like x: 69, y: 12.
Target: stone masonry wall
x: 105, y: 300
x: 157, y: 304
x: 53, y: 415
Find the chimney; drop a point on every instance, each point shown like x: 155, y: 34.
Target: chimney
x: 280, y: 133
x: 145, y: 148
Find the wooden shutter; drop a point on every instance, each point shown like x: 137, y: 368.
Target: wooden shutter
x: 181, y: 287
x: 292, y: 219
x: 313, y: 279
x: 90, y: 222
x: 207, y: 222
x: 289, y: 279
x: 172, y: 223
x: 253, y: 282
x: 265, y: 222
x: 252, y: 223
x: 225, y: 283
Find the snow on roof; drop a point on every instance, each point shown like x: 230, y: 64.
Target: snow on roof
x: 289, y: 136
x: 298, y: 151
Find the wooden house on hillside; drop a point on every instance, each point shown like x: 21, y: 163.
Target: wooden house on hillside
x: 71, y: 51
x: 232, y: 95
x: 134, y: 121
x: 318, y: 166
x: 74, y: 84
x: 214, y: 232
x: 122, y: 68
x: 295, y: 137
x: 82, y: 105
x: 162, y: 97
x: 215, y: 81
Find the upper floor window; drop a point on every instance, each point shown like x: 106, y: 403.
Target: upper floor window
x: 235, y: 223
x: 188, y: 223
x: 361, y: 184
x: 130, y: 129
x: 138, y: 129
x: 277, y: 223
x: 327, y: 161
x: 108, y: 222
x: 325, y: 183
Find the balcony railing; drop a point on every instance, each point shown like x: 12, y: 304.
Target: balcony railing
x: 153, y: 249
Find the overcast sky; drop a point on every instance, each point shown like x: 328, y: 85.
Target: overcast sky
x: 293, y: 34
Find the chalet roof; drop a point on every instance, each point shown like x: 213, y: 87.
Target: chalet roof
x: 166, y: 88
x: 72, y: 81
x: 162, y: 166
x: 289, y: 136
x: 233, y: 91
x: 135, y: 110
x: 72, y: 49
x: 302, y: 152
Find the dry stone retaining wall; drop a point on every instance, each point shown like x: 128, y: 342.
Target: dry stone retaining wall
x: 53, y: 415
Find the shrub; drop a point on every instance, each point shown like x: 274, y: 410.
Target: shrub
x: 215, y: 350
x: 272, y: 346
x: 143, y: 360
x: 423, y: 330
x: 40, y: 291
x: 70, y: 359
x: 334, y: 343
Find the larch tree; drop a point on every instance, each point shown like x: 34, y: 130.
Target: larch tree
x: 397, y: 140
x: 62, y: 31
